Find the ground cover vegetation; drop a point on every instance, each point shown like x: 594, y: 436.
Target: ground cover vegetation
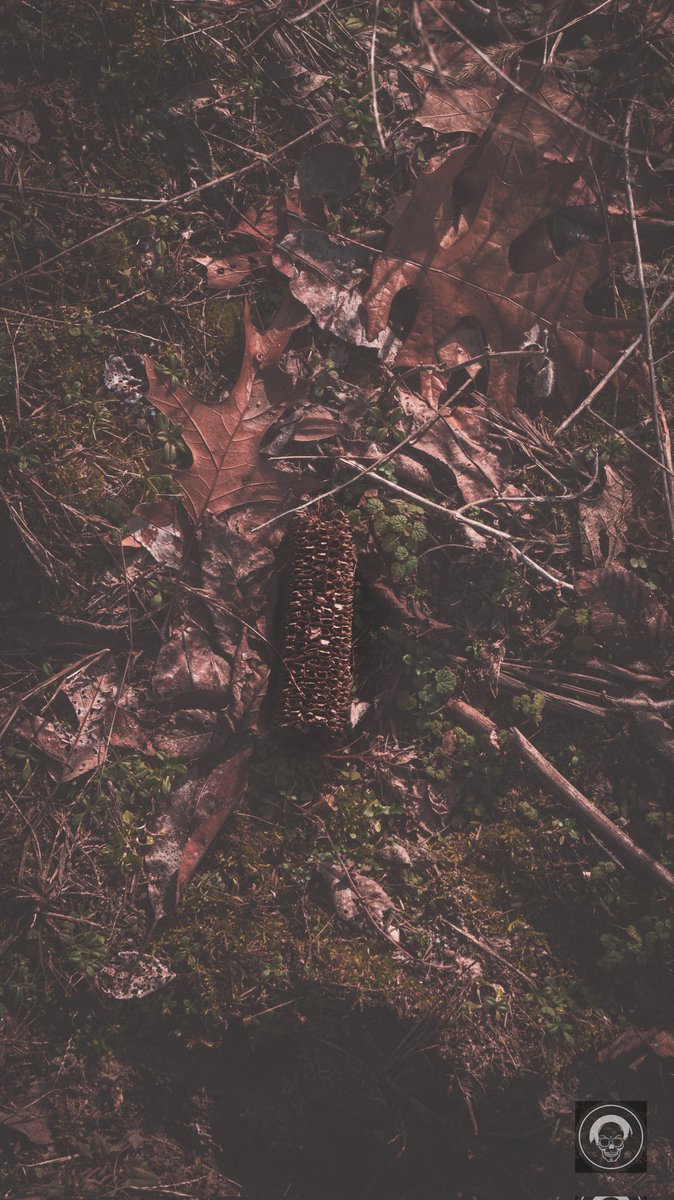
x: 394, y: 278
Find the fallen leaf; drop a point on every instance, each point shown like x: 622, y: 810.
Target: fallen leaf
x: 224, y: 439
x: 603, y: 519
x: 459, y: 440
x: 91, y: 695
x: 511, y: 116
x: 197, y: 810
x: 17, y: 121
x: 131, y: 976
x: 353, y: 893
x: 325, y: 275
x: 156, y: 527
x: 189, y: 673
x: 140, y: 725
x: 626, y: 616
x: 462, y: 270
x: 225, y: 273
x: 29, y: 1122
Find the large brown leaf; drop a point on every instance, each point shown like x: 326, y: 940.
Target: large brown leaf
x: 461, y: 271
x: 227, y: 469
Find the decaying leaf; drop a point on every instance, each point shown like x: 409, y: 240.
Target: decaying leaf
x: 76, y: 750
x: 325, y: 275
x: 459, y: 440
x: 131, y: 976
x: 355, y: 895
x: 17, y: 121
x: 197, y: 810
x: 499, y: 271
x: 188, y: 672
x: 477, y: 107
x: 603, y: 519
x: 224, y: 439
x: 29, y: 1121
x: 156, y: 527
x: 626, y: 616
x: 141, y: 725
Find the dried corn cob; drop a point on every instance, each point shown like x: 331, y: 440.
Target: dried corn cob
x: 316, y: 670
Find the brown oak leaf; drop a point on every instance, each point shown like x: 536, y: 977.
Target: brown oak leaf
x: 227, y: 469
x: 499, y: 271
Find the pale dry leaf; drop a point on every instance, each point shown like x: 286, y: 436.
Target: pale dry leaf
x: 156, y: 527
x: 189, y: 673
x: 325, y: 275
x: 353, y: 892
x: 132, y: 976
x: 603, y: 519
x: 196, y: 811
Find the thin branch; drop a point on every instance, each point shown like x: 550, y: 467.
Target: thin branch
x: 452, y: 514
x: 614, y: 369
x: 373, y: 78
x: 661, y: 428
x: 158, y: 205
x: 625, y: 848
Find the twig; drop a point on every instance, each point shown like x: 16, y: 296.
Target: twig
x: 661, y: 428
x: 623, y: 845
x: 487, y: 949
x: 339, y: 487
x: 454, y: 515
x: 567, y: 120
x: 373, y: 78
x: 158, y: 205
x: 614, y: 369
x: 73, y: 669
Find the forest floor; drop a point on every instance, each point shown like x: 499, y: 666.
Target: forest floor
x: 254, y: 252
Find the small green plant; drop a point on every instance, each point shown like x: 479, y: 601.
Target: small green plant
x: 400, y: 532
x: 531, y: 705
x: 85, y: 948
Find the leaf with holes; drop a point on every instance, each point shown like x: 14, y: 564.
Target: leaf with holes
x: 497, y: 270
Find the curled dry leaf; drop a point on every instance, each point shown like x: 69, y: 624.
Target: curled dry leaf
x: 500, y: 272
x: 325, y: 275
x: 459, y: 440
x: 196, y: 811
x: 156, y: 527
x: 603, y: 519
x: 227, y: 469
x: 353, y: 893
x: 625, y: 615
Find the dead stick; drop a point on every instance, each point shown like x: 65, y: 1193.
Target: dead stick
x: 626, y: 850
